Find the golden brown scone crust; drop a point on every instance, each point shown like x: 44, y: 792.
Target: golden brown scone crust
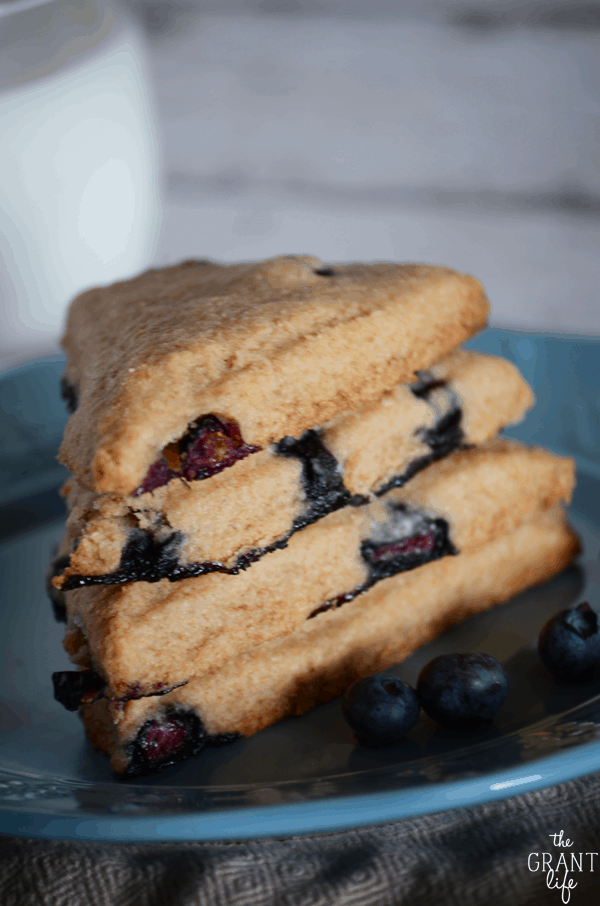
x: 323, y: 656
x: 247, y: 506
x: 255, y: 502
x: 141, y: 634
x: 273, y: 345
x: 96, y: 531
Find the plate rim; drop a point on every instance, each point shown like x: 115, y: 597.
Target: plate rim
x: 313, y: 815
x: 286, y: 819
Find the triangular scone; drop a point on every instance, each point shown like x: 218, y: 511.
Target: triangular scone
x: 275, y: 348
x: 322, y: 657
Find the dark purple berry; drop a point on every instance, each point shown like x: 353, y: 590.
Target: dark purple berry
x: 419, y: 540
x: 162, y: 741
x: 158, y: 475
x: 211, y: 445
x: 177, y: 735
x: 569, y: 644
x: 418, y: 544
x: 381, y: 709
x: 462, y: 690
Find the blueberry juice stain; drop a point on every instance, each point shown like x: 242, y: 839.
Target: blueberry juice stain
x: 387, y: 558
x: 444, y: 437
x: 322, y: 480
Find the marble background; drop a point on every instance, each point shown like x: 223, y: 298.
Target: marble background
x: 459, y: 133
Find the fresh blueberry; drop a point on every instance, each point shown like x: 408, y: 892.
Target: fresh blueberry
x: 569, y: 644
x: 381, y: 709
x: 462, y: 690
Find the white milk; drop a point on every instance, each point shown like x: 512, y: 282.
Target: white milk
x: 79, y: 184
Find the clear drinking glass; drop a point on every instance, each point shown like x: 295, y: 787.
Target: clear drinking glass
x: 79, y: 161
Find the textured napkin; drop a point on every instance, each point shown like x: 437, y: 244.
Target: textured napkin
x: 492, y: 854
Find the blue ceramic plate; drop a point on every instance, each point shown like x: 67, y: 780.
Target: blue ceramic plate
x: 304, y: 774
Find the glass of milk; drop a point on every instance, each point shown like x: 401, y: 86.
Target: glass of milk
x: 79, y: 162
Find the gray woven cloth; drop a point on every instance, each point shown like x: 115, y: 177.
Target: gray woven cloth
x: 464, y: 857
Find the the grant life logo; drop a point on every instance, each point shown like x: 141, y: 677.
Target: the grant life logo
x: 561, y: 867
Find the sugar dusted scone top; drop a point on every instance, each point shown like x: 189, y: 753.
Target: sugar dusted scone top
x: 274, y: 346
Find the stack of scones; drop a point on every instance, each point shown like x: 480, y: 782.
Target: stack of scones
x: 285, y: 476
